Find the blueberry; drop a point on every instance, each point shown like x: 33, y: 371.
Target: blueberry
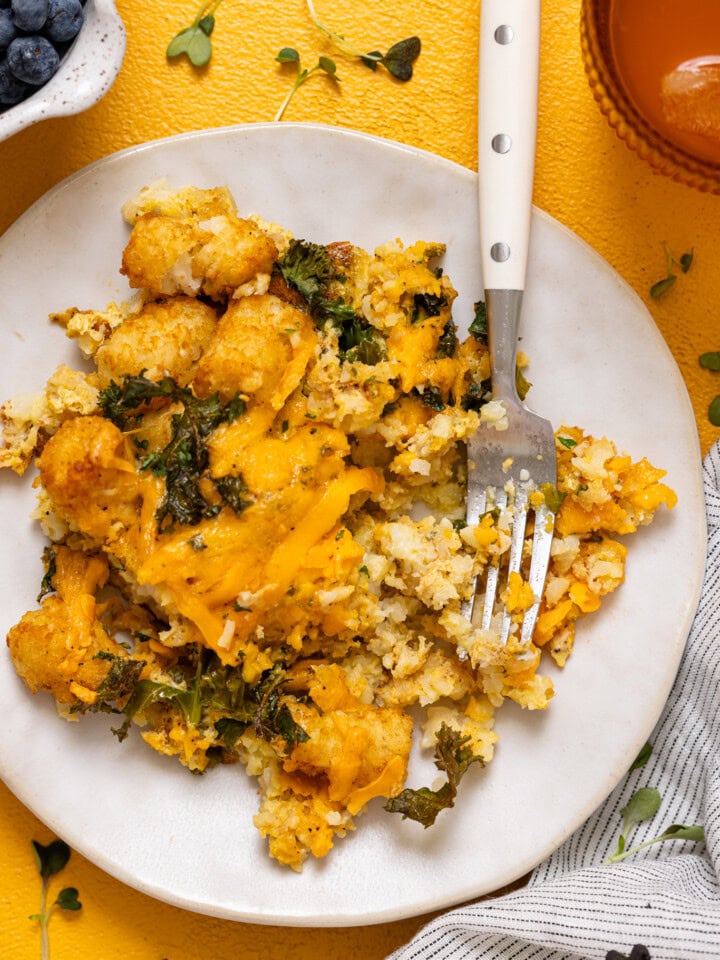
x: 8, y: 30
x: 32, y: 59
x: 30, y: 14
x: 64, y: 19
x: 12, y: 90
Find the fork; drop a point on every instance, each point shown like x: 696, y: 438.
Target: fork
x: 506, y: 467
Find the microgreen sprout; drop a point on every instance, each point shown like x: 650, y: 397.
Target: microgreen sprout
x: 51, y: 859
x: 711, y: 361
x: 291, y: 56
x: 642, y: 806
x: 685, y: 262
x: 398, y: 60
x: 194, y: 41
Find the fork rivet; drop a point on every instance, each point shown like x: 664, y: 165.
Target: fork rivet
x: 501, y: 142
x: 504, y: 34
x: 500, y: 252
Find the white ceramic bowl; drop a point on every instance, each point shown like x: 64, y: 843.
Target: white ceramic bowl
x: 85, y: 75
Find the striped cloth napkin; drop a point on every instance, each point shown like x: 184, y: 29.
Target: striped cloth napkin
x: 662, y: 902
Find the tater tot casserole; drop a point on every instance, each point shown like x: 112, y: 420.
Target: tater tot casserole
x: 254, y: 499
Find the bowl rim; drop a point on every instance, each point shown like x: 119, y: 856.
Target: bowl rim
x: 622, y: 116
x: 86, y: 72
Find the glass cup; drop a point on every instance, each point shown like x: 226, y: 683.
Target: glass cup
x: 654, y: 72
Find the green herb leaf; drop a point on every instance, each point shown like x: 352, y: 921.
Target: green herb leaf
x: 427, y: 305
x: 553, y: 496
x: 676, y: 831
x: 643, y: 805
x: 479, y: 327
x: 714, y: 412
x: 288, y: 55
x: 522, y: 385
x: 447, y: 344
x: 454, y: 757
x: 51, y: 858
x: 233, y: 491
x: 328, y: 65
x: 194, y: 41
x: 662, y: 286
x: 67, y: 899
x: 711, y: 360
x: 400, y: 58
x: 686, y: 261
x: 642, y: 758
x: 567, y: 442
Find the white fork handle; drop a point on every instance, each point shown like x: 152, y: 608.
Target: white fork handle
x: 507, y: 125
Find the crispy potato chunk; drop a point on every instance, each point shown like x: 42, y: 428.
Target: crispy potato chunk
x: 169, y: 255
x: 261, y: 347
x: 88, y: 478
x: 166, y: 339
x: 56, y: 647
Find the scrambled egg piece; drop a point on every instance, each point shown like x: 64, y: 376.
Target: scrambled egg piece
x: 236, y: 562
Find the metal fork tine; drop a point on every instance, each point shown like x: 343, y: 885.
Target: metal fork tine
x: 519, y: 522
x: 542, y: 544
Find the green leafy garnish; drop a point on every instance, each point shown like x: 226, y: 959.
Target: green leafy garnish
x: 307, y: 268
x: 427, y: 305
x: 290, y: 55
x: 642, y: 758
x: 685, y: 262
x: 233, y: 491
x: 676, y: 831
x: 50, y: 860
x: 479, y: 326
x: 121, y: 402
x: 218, y: 694
x: 398, y: 60
x: 447, y: 344
x: 431, y: 397
x: 553, y: 496
x: 567, y: 442
x: 194, y: 41
x: 711, y: 361
x: 185, y: 458
x: 453, y: 756
x: 714, y: 412
x: 643, y: 805
x: 522, y: 385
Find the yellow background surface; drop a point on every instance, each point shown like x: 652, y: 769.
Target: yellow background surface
x: 585, y: 178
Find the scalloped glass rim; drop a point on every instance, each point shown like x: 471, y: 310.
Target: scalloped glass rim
x: 86, y: 73
x: 622, y: 116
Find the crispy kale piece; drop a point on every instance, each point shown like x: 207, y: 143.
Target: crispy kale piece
x: 427, y: 305
x: 117, y: 401
x: 185, y: 458
x: 448, y: 341
x: 453, y: 756
x: 479, y: 327
x: 218, y: 694
x: 308, y: 268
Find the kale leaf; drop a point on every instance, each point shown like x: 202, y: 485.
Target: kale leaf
x: 117, y: 401
x: 453, y: 756
x: 479, y: 326
x: 448, y: 341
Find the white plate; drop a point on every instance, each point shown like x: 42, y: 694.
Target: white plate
x: 597, y: 361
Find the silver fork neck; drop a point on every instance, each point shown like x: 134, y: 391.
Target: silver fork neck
x: 503, y: 320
